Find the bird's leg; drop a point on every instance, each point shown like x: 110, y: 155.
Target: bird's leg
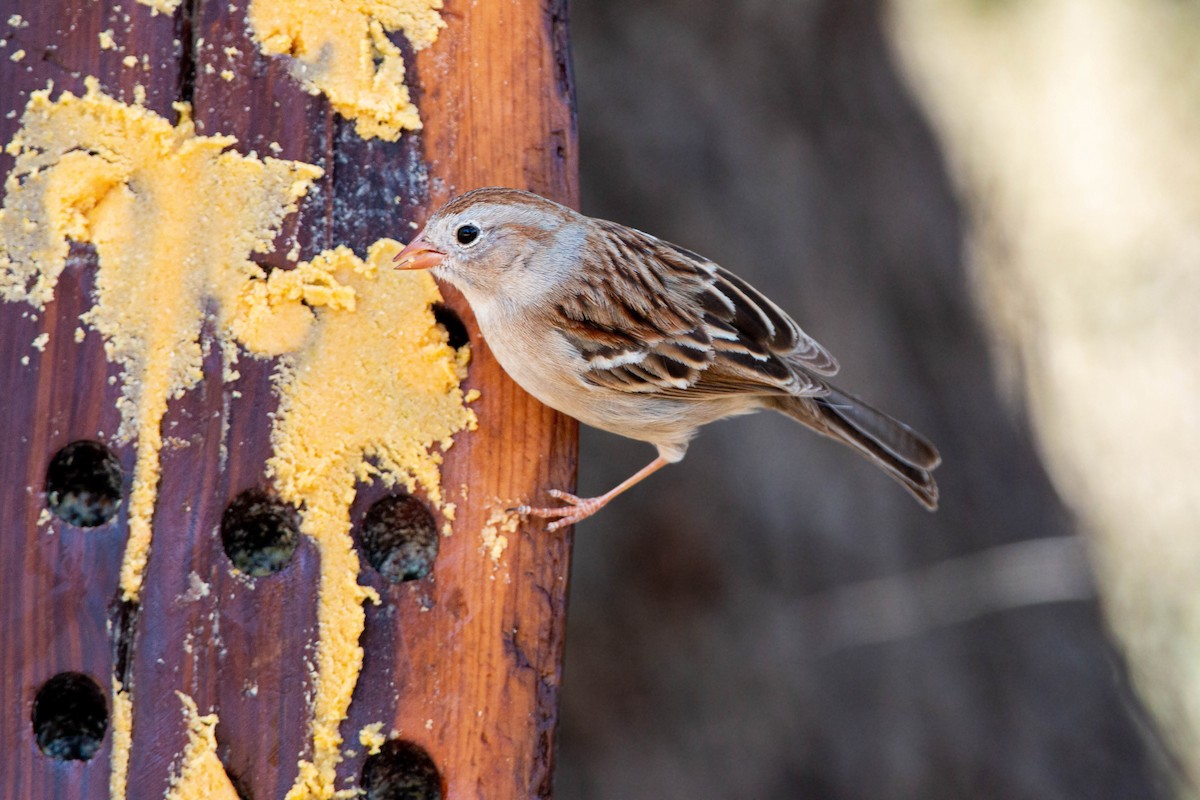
x: 580, y: 508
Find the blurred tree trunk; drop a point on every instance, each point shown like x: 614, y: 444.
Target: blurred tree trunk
x: 1080, y: 166
x: 772, y: 618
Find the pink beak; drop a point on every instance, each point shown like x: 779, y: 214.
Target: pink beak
x: 418, y: 254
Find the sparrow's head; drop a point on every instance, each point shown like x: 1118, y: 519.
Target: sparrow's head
x: 498, y: 243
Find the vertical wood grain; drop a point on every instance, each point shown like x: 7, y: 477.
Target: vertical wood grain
x: 58, y: 581
x: 465, y: 662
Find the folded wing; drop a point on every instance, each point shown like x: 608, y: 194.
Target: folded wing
x: 684, y: 327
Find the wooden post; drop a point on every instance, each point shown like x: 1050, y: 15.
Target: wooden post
x: 465, y: 663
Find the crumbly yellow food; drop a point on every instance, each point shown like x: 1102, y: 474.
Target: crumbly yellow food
x: 161, y: 6
x: 370, y: 396
x: 363, y: 395
x: 500, y: 524
x: 122, y: 737
x: 340, y: 48
x: 200, y: 776
x: 371, y: 737
x: 92, y: 169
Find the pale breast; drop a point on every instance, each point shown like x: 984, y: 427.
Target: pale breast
x: 545, y: 364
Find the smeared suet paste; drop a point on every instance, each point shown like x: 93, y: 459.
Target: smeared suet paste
x: 92, y: 169
x: 200, y: 775
x: 370, y: 396
x: 368, y: 385
x: 341, y: 49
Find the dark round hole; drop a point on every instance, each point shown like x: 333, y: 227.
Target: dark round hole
x: 456, y: 331
x: 259, y: 532
x: 401, y: 771
x: 400, y: 538
x: 70, y: 716
x: 83, y: 484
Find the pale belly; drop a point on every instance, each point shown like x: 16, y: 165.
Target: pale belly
x: 549, y: 368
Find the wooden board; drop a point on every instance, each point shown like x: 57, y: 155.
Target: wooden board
x: 465, y: 663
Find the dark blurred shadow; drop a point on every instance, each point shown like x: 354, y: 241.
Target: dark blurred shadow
x: 773, y: 618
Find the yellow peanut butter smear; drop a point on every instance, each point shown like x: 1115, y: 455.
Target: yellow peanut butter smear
x: 368, y: 385
x: 161, y: 6
x: 370, y: 396
x: 371, y: 737
x: 340, y: 48
x: 122, y: 739
x: 200, y: 776
x: 174, y: 218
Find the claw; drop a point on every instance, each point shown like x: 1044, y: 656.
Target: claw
x: 576, y: 509
x: 567, y: 497
x: 579, y: 508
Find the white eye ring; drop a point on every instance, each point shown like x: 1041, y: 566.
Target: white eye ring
x: 467, y: 234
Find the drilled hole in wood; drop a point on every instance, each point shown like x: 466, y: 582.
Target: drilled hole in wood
x: 70, y: 716
x: 259, y: 533
x: 401, y: 771
x: 400, y: 538
x: 83, y: 484
x: 456, y: 331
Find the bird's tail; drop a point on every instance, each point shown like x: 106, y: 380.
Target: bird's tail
x: 893, y: 446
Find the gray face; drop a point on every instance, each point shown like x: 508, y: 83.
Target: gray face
x: 470, y: 238
x: 505, y: 249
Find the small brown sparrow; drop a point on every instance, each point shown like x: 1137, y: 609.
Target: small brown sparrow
x: 640, y: 337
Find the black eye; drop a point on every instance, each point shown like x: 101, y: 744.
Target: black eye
x: 467, y: 234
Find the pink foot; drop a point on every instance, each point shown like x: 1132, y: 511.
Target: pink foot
x: 575, y: 510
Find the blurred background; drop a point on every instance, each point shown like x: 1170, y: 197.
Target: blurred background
x: 988, y: 210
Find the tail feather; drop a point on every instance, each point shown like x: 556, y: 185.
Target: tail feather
x: 891, y: 445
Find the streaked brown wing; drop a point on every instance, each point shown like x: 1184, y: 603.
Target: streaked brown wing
x: 685, y: 327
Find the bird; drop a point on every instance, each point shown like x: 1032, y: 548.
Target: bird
x: 634, y: 335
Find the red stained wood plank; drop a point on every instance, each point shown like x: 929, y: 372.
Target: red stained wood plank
x: 465, y: 663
